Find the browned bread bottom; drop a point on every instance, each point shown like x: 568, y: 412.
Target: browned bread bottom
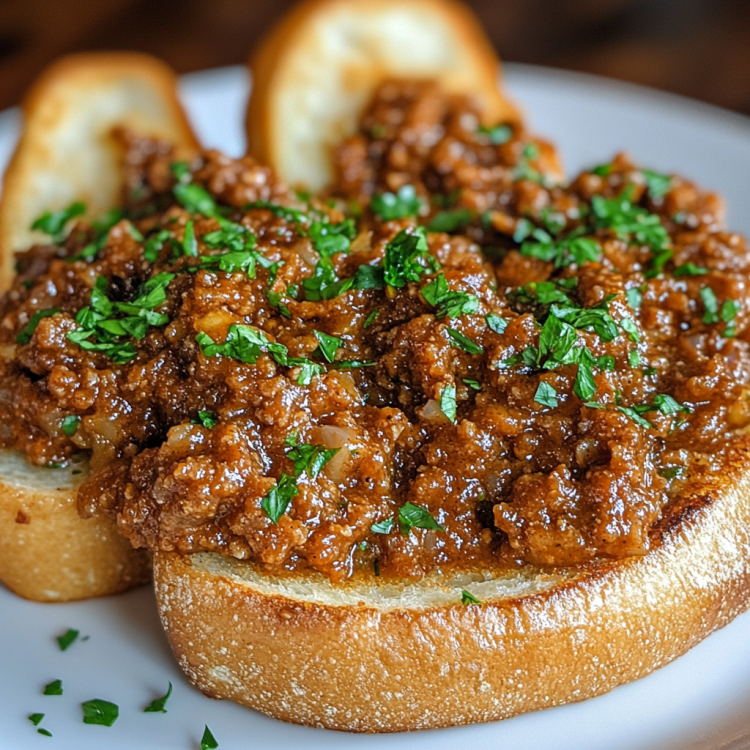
x: 48, y: 553
x: 385, y: 659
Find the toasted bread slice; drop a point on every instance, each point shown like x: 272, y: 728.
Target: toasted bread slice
x: 67, y: 153
x: 48, y: 553
x: 394, y: 658
x: 315, y: 73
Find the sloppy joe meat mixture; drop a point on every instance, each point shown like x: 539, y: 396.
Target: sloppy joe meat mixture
x: 448, y: 361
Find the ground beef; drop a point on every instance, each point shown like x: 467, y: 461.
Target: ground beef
x: 448, y: 362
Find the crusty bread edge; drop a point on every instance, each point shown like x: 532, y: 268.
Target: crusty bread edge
x: 31, y: 147
x: 264, y: 62
x: 47, y: 552
x: 369, y: 669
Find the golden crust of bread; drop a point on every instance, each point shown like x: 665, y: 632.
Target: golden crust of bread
x: 375, y: 660
x: 316, y: 71
x: 66, y: 152
x: 47, y: 552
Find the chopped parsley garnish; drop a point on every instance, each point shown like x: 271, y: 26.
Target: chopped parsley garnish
x: 473, y: 384
x: 468, y: 598
x: 97, y: 320
x: 634, y: 412
x: 53, y: 223
x: 672, y: 472
x: 66, y: 640
x: 329, y: 345
x: 53, y: 688
x: 663, y: 403
x: 546, y: 395
x: 369, y: 277
x: 246, y: 344
x: 602, y: 170
x: 458, y: 340
x: 714, y: 314
x: 154, y: 244
x: 205, y: 419
x: 634, y: 358
x: 44, y: 732
x: 448, y: 402
x: 400, y: 205
x: 634, y: 297
x: 208, y: 741
x: 630, y: 328
x: 275, y: 300
x: 407, y: 258
x: 497, y: 134
x: 101, y: 227
x: 100, y: 712
x: 70, y: 424
x: 496, y: 323
x: 449, y: 304
x: 383, y: 527
x: 370, y: 319
x: 189, y: 242
x: 690, y: 269
x: 354, y: 364
x: 195, y: 199
x: 451, y: 221
x: 329, y: 239
x: 36, y: 719
x: 412, y: 516
x: 543, y: 293
x: 307, y: 459
x: 159, y: 705
x: 562, y: 253
x: 657, y: 184
x: 667, y: 405
x: 25, y: 334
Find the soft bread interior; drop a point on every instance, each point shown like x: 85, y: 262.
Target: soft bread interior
x: 67, y: 153
x: 317, y: 71
x: 432, y: 591
x: 47, y: 552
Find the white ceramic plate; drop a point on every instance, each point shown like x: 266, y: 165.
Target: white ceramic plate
x: 700, y: 702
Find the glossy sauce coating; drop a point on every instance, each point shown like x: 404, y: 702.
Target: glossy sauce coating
x: 459, y: 433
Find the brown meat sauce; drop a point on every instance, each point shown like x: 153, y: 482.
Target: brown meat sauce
x: 187, y: 446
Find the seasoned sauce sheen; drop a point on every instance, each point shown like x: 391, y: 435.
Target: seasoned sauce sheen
x: 445, y: 363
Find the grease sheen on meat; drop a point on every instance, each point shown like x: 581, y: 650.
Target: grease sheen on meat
x: 532, y: 376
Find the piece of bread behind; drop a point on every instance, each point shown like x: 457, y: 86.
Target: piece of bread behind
x: 374, y: 659
x: 66, y: 152
x: 315, y: 73
x: 47, y: 552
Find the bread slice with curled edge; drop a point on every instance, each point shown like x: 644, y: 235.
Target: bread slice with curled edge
x: 316, y: 71
x: 375, y: 658
x: 48, y: 553
x: 66, y: 153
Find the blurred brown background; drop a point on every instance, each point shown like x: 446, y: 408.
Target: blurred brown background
x: 700, y: 48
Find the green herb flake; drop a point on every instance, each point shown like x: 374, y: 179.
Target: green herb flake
x: 66, y: 640
x: 449, y: 304
x: 546, y: 395
x: 310, y: 459
x: 205, y: 419
x: 497, y: 134
x: 25, y: 334
x: 634, y: 358
x: 458, y: 340
x: 672, y: 472
x: 689, y: 269
x: 370, y: 319
x: 562, y: 253
x: 70, y: 424
x: 279, y: 497
x: 412, y: 516
x: 473, y: 384
x: 53, y: 688
x: 44, y: 732
x: 451, y: 221
x: 195, y: 199
x: 657, y: 184
x: 448, y: 402
x: 354, y: 364
x: 390, y: 206
x: 53, y: 223
x: 159, y: 705
x: 329, y: 345
x: 189, y: 241
x: 468, y: 598
x: 383, y: 527
x: 668, y: 405
x: 496, y: 323
x: 36, y: 719
x: 100, y: 712
x: 633, y: 413
x: 407, y: 258
x: 584, y: 386
x: 634, y: 297
x: 208, y: 741
x: 630, y: 328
